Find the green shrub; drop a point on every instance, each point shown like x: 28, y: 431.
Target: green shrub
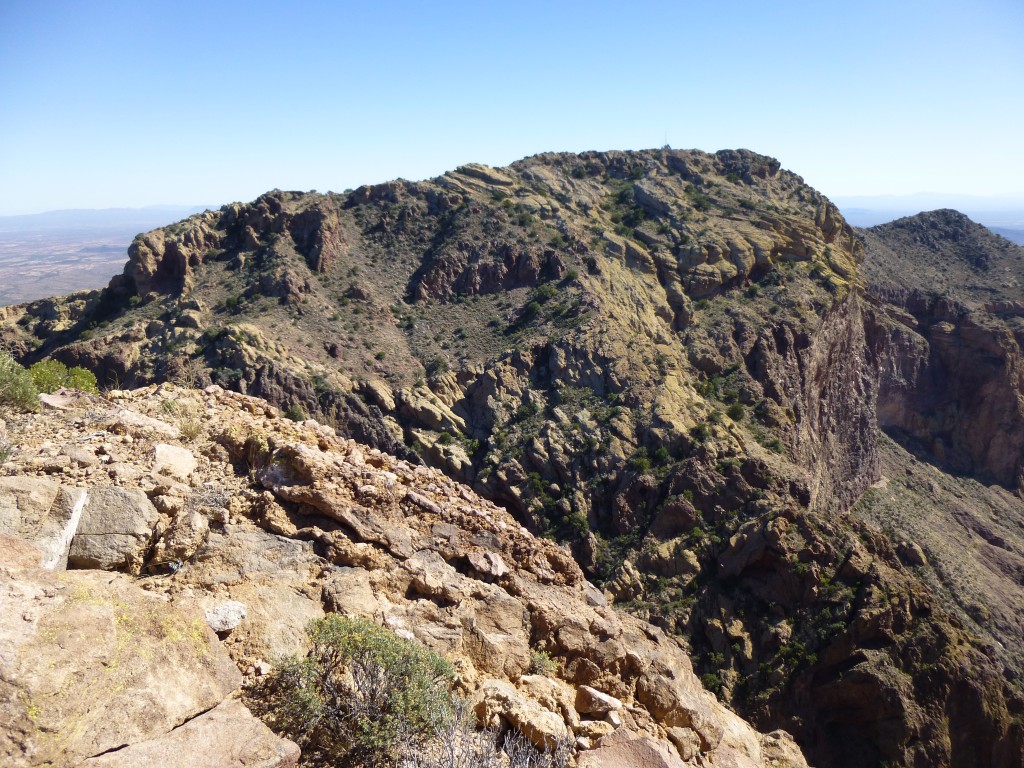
x: 296, y: 413
x: 640, y: 462
x: 545, y: 293
x: 51, y: 375
x: 362, y: 694
x: 541, y: 663
x: 735, y: 412
x: 712, y: 682
x: 701, y: 432
x: 16, y: 387
x: 530, y: 311
x: 437, y: 366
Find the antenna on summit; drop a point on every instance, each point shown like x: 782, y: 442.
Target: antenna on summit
x: 665, y: 145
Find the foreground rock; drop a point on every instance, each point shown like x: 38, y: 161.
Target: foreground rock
x: 89, y: 663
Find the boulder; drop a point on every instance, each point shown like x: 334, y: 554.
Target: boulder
x: 225, y: 616
x: 780, y: 750
x: 227, y: 736
x: 94, y: 663
x: 552, y: 694
x: 590, y: 701
x: 347, y: 590
x: 488, y: 564
x: 115, y: 530
x: 42, y: 512
x: 182, y: 539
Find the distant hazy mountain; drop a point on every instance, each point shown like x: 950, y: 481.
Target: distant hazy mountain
x: 138, y: 219
x: 1003, y: 215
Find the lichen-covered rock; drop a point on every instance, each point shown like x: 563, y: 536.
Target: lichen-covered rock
x: 93, y: 663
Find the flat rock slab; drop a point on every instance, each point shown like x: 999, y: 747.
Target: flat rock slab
x: 42, y: 512
x: 227, y: 736
x: 89, y: 663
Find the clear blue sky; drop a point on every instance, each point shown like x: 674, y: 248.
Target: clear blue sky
x: 107, y: 104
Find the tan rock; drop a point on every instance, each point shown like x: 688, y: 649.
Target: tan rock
x: 173, y: 460
x: 497, y: 699
x: 590, y: 701
x: 593, y: 729
x: 17, y: 553
x: 348, y: 591
x: 187, y: 533
x: 380, y: 393
x: 488, y: 564
x: 625, y: 749
x: 42, y: 512
x: 128, y: 422
x: 90, y: 644
x: 227, y: 736
x: 686, y: 741
x: 781, y: 751
x: 552, y: 694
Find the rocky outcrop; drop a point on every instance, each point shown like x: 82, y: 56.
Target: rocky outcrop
x: 329, y: 525
x: 951, y: 384
x: 948, y: 352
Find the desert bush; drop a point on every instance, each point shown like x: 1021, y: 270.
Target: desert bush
x: 364, y: 696
x: 189, y: 372
x: 189, y: 422
x: 17, y: 389
x: 522, y: 754
x: 362, y: 693
x: 530, y: 311
x: 735, y: 412
x: 51, y: 375
x: 459, y: 744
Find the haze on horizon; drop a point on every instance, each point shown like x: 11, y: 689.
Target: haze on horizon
x: 123, y: 104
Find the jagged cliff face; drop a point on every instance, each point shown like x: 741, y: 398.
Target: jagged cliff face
x: 664, y: 359
x: 945, y: 332
x: 949, y: 348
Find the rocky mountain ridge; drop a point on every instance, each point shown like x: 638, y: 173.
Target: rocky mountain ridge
x: 669, y: 360
x: 259, y: 524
